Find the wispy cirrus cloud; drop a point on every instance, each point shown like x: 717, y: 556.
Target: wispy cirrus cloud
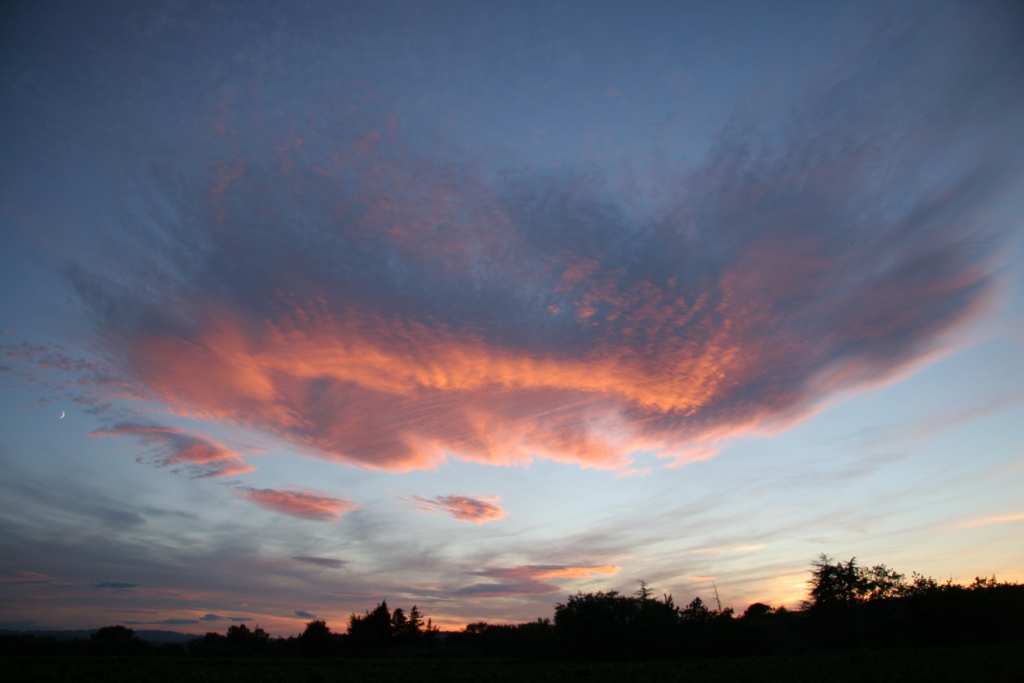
x: 316, y: 507
x: 988, y: 521
x: 217, y: 617
x: 173, y: 621
x: 32, y: 578
x: 463, y: 508
x: 194, y: 455
x: 529, y: 579
x: 116, y: 585
x: 329, y: 562
x: 186, y: 621
x: 721, y: 550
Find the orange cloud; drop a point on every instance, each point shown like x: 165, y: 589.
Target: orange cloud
x: 463, y: 508
x: 302, y: 504
x: 576, y: 572
x: 548, y: 572
x: 401, y: 395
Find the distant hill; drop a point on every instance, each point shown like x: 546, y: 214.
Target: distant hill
x: 150, y: 636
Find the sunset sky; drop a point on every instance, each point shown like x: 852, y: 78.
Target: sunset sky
x: 475, y: 305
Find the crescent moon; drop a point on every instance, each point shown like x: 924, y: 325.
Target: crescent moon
x: 61, y: 415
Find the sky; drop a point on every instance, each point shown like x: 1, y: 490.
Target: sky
x: 473, y: 306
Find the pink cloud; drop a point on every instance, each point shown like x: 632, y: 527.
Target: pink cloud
x: 463, y: 508
x: 315, y: 507
x: 375, y: 377
x: 193, y: 454
x: 428, y: 309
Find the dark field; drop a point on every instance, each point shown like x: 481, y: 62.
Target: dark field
x: 976, y: 663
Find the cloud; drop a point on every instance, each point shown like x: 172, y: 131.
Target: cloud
x: 31, y: 578
x: 574, y: 572
x: 193, y: 455
x: 988, y: 521
x: 95, y: 509
x: 720, y: 550
x: 498, y: 590
x: 304, y: 615
x: 175, y: 622
x: 321, y: 561
x: 389, y: 306
x: 302, y: 504
x: 463, y: 508
x: 528, y: 579
x: 949, y: 419
x: 115, y: 585
x: 217, y: 617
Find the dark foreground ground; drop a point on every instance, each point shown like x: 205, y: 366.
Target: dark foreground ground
x: 977, y: 663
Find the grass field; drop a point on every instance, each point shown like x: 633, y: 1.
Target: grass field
x: 989, y: 663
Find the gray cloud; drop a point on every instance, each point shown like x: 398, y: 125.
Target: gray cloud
x: 497, y: 590
x: 321, y: 561
x: 96, y: 509
x: 116, y: 585
x: 217, y: 617
x: 163, y: 622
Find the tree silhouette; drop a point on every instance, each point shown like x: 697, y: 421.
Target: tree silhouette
x: 407, y: 630
x: 317, y: 640
x: 848, y: 584
x: 757, y: 611
x: 117, y: 640
x: 399, y: 622
x: 372, y: 632
x: 849, y: 606
x: 415, y: 623
x: 113, y: 634
x: 697, y: 612
x: 883, y: 583
x: 839, y: 584
x: 613, y: 626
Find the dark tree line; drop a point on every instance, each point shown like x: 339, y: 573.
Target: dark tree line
x: 376, y: 633
x: 851, y: 605
x: 848, y: 606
